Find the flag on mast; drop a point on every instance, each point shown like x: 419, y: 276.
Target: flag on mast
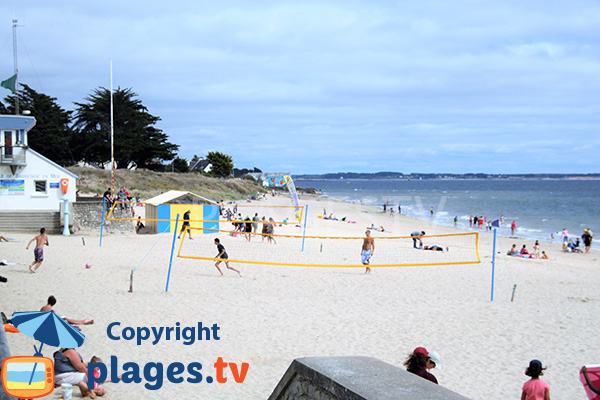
x: 10, y: 83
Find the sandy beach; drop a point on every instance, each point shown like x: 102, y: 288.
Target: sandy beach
x: 275, y: 314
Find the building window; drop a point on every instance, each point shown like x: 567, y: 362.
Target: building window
x: 40, y: 186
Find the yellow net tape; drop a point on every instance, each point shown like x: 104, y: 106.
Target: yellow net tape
x: 295, y: 250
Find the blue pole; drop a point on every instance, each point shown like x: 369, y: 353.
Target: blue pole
x: 172, y: 251
x: 102, y: 223
x: 493, y: 264
x: 304, y: 232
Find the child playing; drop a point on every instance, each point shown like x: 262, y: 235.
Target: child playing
x: 535, y: 388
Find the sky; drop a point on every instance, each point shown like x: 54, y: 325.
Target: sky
x: 334, y: 86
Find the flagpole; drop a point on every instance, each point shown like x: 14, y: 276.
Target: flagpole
x: 16, y: 66
x: 112, y: 147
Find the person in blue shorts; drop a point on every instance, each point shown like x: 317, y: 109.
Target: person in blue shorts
x: 368, y: 248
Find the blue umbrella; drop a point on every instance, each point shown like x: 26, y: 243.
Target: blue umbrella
x: 48, y: 328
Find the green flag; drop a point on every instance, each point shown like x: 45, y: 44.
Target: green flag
x: 10, y: 83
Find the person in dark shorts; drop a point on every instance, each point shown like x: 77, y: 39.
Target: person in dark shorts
x: 186, y: 224
x: 223, y: 256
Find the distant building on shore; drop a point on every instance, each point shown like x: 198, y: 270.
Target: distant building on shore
x: 28, y: 180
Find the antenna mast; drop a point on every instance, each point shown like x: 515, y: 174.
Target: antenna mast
x: 112, y: 131
x: 15, y: 59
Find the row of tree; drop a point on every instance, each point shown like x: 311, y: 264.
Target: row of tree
x: 84, y: 135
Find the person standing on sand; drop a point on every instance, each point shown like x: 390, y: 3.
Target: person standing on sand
x: 223, y: 256
x: 186, y: 224
x: 255, y: 220
x: 38, y: 252
x: 368, y: 248
x: 587, y: 239
x: 513, y: 228
x: 535, y: 388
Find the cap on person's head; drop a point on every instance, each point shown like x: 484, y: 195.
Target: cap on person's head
x: 421, y: 350
x: 535, y: 364
x: 436, y: 358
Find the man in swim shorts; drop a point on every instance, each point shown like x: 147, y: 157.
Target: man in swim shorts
x: 38, y: 252
x: 223, y: 256
x: 368, y: 248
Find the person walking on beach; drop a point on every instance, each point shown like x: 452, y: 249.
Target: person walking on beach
x: 535, y: 388
x: 223, y: 256
x: 38, y: 252
x: 513, y: 228
x: 587, y: 239
x: 186, y: 224
x: 368, y: 248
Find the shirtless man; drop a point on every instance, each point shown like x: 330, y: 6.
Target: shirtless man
x: 52, y: 302
x: 38, y: 252
x: 368, y: 248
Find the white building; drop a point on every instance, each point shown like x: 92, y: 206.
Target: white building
x: 28, y: 180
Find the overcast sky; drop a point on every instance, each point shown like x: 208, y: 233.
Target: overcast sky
x: 335, y: 86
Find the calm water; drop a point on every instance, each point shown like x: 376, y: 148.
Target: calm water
x: 539, y: 207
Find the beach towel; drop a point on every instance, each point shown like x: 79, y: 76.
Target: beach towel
x: 593, y: 372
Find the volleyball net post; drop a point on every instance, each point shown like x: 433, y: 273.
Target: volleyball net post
x: 304, y: 231
x: 102, y: 223
x: 172, y: 252
x: 493, y: 265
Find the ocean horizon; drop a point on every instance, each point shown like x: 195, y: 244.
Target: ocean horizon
x: 541, y: 208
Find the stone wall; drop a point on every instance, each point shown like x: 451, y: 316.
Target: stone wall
x: 86, y: 215
x: 354, y: 378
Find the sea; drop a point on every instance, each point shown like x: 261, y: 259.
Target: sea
x: 541, y: 208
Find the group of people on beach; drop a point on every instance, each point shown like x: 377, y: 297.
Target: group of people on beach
x: 69, y: 367
x: 573, y: 245
x: 421, y: 362
x: 524, y: 252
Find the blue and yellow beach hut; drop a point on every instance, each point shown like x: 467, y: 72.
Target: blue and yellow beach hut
x: 162, y: 210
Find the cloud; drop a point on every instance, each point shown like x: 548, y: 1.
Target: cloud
x: 327, y: 86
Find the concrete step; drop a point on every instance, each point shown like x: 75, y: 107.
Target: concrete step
x: 30, y: 221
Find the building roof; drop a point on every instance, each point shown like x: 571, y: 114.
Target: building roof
x: 49, y: 161
x: 16, y: 122
x: 174, y: 195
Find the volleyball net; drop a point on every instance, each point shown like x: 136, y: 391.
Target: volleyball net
x: 162, y: 217
x: 285, y: 247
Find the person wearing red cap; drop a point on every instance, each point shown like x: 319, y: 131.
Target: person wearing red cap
x: 417, y: 364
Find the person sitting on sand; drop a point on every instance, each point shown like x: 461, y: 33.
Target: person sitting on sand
x: 70, y: 368
x: 524, y: 251
x: 544, y: 256
x: 417, y: 364
x: 3, y: 239
x: 139, y: 225
x: 52, y: 302
x: 575, y: 246
x: 513, y: 251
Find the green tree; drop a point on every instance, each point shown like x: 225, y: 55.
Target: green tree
x: 136, y: 140
x: 180, y: 165
x: 222, y: 164
x: 52, y: 132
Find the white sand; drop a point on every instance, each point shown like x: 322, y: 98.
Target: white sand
x: 275, y: 314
